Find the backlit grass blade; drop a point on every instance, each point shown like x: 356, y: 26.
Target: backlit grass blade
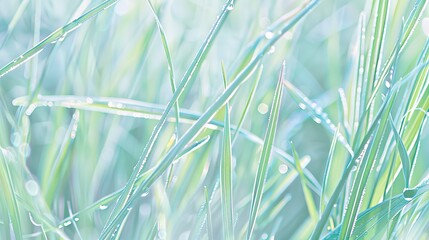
x: 265, y: 156
x: 311, y: 206
x: 226, y: 175
x: 57, y: 35
x: 402, y: 153
x: 18, y: 15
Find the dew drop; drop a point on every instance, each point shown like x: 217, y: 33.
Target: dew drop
x: 144, y: 194
x: 409, y: 193
x: 230, y: 7
x: 89, y: 100
x: 283, y: 168
x: 162, y: 234
x: 268, y: 35
x: 302, y: 106
x: 387, y: 83
x: 262, y: 108
x: 67, y: 223
x: 317, y: 120
x: 76, y: 219
x: 103, y: 207
x: 50, y: 104
x: 272, y: 50
x: 264, y: 236
x: 354, y: 168
x: 30, y: 109
x: 60, y: 226
x: 16, y: 139
x: 32, y: 187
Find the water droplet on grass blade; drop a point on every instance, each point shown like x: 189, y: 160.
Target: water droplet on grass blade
x: 268, y: 35
x: 387, y: 83
x: 230, y: 7
x: 103, y: 207
x: 76, y: 219
x: 302, y: 106
x: 283, y: 168
x: 32, y: 187
x: 67, y: 223
x: 409, y: 193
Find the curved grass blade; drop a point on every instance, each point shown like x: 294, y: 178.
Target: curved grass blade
x: 402, y: 153
x: 169, y: 62
x: 226, y: 174
x: 265, y: 156
x: 138, y: 109
x: 58, y: 34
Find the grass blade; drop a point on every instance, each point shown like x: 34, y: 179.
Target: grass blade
x: 265, y: 156
x: 402, y: 153
x: 226, y: 175
x: 311, y: 206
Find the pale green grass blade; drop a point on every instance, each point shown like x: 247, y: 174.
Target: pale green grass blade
x: 311, y: 206
x: 402, y: 153
x: 248, y: 102
x: 265, y: 156
x: 372, y: 222
x: 209, y: 215
x: 226, y: 174
x: 9, y: 196
x: 170, y: 63
x: 327, y: 171
x: 57, y: 35
x: 56, y: 167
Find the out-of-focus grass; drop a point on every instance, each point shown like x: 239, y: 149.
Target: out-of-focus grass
x: 167, y: 120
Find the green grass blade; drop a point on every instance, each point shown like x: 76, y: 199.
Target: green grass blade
x: 402, y: 153
x: 311, y: 206
x: 57, y: 35
x: 226, y: 175
x: 265, y: 157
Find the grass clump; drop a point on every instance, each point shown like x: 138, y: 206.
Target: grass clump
x: 175, y: 120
